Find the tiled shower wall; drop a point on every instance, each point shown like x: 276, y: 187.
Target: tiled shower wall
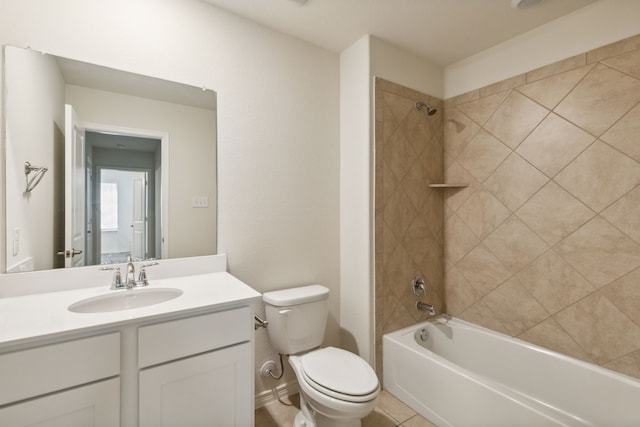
x: 408, y: 215
x: 544, y: 244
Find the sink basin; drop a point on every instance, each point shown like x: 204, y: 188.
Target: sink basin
x: 124, y: 300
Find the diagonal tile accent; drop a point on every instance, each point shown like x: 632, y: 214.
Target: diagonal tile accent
x: 515, y: 118
x: 600, y: 252
x: 553, y: 213
x: 625, y: 294
x: 480, y: 110
x: 480, y: 314
x: 550, y: 91
x: 629, y: 63
x: 398, y: 154
x: 600, y: 176
x: 400, y: 106
x: 553, y: 282
x: 602, y: 330
x: 624, y: 134
x: 482, y: 213
x: 459, y: 240
x: 459, y: 294
x: 483, y: 270
x: 600, y: 99
x: 625, y: 214
x: 458, y: 132
x: 418, y: 238
x: 483, y: 155
x: 514, y: 244
x: 417, y: 130
x: 456, y: 196
x: 515, y: 181
x: 399, y: 213
x: 553, y: 144
x: 514, y: 307
x: 627, y: 365
x: 549, y: 334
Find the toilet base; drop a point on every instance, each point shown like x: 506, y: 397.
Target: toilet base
x: 308, y: 417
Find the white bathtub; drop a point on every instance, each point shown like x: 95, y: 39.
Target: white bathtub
x: 466, y: 376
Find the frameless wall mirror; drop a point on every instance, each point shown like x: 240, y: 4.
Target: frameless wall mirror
x: 102, y: 163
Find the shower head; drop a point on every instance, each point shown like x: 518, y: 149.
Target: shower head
x: 431, y: 110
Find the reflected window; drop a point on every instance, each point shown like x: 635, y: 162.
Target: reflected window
x: 109, y: 206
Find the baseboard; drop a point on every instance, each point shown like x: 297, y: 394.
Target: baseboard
x: 281, y: 391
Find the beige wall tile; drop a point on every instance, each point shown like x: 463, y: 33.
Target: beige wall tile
x: 614, y: 49
x: 600, y: 99
x: 624, y: 293
x: 459, y: 293
x: 480, y: 110
x: 627, y: 365
x: 482, y: 213
x: 455, y: 197
x: 515, y: 118
x: 600, y: 252
x: 458, y: 132
x: 483, y: 270
x: 458, y: 238
x: 549, y: 334
x: 629, y: 63
x: 398, y: 154
x: 514, y: 244
x: 399, y: 213
x: 503, y: 85
x: 480, y: 314
x: 418, y: 239
x: 399, y: 105
x: 514, y: 307
x: 554, y: 144
x: 553, y: 282
x: 624, y: 134
x: 599, y: 328
x: 557, y: 67
x: 550, y: 91
x: 483, y: 155
x: 515, y: 181
x: 625, y: 214
x: 553, y: 213
x: 600, y: 176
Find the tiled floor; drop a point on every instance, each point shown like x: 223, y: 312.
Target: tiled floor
x: 390, y: 412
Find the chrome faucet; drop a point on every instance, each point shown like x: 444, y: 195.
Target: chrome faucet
x: 131, y: 273
x: 429, y: 308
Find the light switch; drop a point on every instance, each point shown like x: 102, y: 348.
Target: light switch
x: 200, y: 202
x: 16, y: 241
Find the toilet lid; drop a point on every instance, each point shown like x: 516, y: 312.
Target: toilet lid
x: 339, y: 371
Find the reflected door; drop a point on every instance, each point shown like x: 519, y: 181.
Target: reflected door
x: 139, y: 223
x: 74, y: 194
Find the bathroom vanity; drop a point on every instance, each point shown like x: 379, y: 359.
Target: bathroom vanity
x: 188, y: 360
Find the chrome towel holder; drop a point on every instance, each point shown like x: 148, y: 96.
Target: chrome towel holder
x: 35, y: 179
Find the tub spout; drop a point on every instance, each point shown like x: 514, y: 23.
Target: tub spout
x: 429, y: 308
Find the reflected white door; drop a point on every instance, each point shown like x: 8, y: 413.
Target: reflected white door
x: 139, y: 223
x: 74, y: 195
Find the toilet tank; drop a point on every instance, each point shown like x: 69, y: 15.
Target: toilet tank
x: 297, y: 317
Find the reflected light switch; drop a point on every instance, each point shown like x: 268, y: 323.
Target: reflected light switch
x: 199, y: 202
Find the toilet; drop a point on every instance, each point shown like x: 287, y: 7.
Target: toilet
x: 337, y: 387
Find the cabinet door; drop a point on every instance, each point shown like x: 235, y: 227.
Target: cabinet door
x: 96, y: 405
x: 212, y: 389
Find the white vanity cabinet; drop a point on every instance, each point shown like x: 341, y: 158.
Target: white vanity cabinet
x: 72, y: 383
x: 197, y: 371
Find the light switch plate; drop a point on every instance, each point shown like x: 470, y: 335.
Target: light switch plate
x: 200, y: 202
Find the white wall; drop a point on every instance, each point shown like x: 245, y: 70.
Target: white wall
x: 356, y: 190
x: 596, y: 25
x: 278, y: 121
x: 399, y: 66
x: 33, y: 115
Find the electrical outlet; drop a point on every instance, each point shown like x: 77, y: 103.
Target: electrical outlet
x: 199, y: 202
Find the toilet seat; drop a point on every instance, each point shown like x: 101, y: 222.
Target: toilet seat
x: 340, y: 374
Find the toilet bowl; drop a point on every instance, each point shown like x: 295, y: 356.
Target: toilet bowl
x: 337, y: 387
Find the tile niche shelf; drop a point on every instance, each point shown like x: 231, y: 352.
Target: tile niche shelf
x: 452, y: 185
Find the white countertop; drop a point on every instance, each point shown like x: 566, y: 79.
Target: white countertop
x: 34, y: 317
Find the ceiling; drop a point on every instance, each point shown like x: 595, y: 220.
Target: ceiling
x: 440, y: 31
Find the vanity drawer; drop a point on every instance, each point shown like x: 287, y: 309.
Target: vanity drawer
x: 40, y: 370
x: 175, y: 339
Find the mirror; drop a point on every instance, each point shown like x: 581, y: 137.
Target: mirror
x: 139, y: 173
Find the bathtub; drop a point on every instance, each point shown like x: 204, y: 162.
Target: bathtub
x: 459, y: 374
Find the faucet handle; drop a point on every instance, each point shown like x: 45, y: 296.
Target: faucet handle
x: 116, y: 282
x: 142, y: 277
